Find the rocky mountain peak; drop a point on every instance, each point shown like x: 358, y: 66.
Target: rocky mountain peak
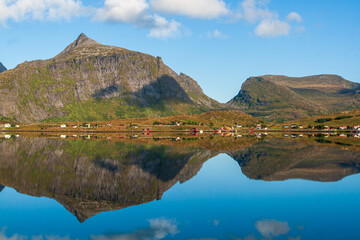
x: 2, y: 68
x: 81, y: 41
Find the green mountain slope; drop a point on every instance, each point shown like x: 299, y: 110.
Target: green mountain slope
x: 278, y: 98
x: 90, y: 81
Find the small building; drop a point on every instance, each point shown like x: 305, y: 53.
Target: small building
x: 293, y: 125
x: 286, y: 126
x: 258, y: 126
x: 239, y: 126
x: 343, y: 127
x: 17, y: 126
x: 7, y: 125
x: 109, y: 124
x: 63, y: 125
x: 356, y: 127
x: 301, y: 126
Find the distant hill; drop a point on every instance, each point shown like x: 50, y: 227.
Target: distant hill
x: 279, y: 98
x: 2, y: 68
x: 89, y: 81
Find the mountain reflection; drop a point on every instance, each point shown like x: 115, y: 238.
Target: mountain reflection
x: 91, y: 176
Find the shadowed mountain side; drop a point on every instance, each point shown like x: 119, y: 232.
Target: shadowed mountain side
x: 280, y: 159
x: 89, y: 81
x: 89, y: 177
x: 2, y: 68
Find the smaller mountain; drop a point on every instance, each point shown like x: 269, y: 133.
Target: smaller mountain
x: 279, y: 98
x: 2, y: 68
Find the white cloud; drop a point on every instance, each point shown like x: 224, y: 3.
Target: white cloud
x: 293, y: 16
x: 127, y: 11
x: 268, y: 22
x: 272, y: 28
x: 272, y: 228
x: 19, y: 10
x: 255, y: 10
x: 136, y: 12
x: 217, y: 34
x: 204, y: 9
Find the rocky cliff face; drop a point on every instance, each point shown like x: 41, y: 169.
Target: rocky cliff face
x: 278, y: 98
x: 90, y: 81
x: 2, y: 68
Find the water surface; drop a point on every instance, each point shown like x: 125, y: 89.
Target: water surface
x: 179, y: 187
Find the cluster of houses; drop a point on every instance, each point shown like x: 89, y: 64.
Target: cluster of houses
x: 293, y: 126
x: 8, y: 136
x: 8, y: 125
x: 326, y: 128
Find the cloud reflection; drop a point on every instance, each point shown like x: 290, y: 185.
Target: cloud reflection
x: 272, y: 228
x: 159, y: 228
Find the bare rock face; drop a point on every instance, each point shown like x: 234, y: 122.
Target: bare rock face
x: 2, y: 68
x: 91, y: 81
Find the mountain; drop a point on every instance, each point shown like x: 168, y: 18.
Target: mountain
x: 2, y: 68
x: 89, y: 81
x: 278, y: 98
x: 89, y: 177
x: 279, y: 159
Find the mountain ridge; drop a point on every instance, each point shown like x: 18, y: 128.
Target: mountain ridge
x: 279, y: 98
x: 89, y: 81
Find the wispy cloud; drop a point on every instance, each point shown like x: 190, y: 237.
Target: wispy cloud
x: 204, y: 9
x: 136, y: 12
x: 293, y: 16
x: 272, y: 28
x: 46, y: 10
x: 217, y: 34
x: 267, y: 21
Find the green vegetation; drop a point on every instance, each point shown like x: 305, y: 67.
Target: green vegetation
x: 322, y: 120
x: 343, y: 117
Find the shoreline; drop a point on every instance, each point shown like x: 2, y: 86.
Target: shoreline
x: 173, y: 131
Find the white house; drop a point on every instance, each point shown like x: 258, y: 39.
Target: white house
x: 63, y: 125
x: 7, y: 125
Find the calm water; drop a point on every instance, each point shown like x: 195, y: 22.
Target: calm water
x: 249, y: 187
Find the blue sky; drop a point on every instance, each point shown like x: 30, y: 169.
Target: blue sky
x: 219, y: 43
